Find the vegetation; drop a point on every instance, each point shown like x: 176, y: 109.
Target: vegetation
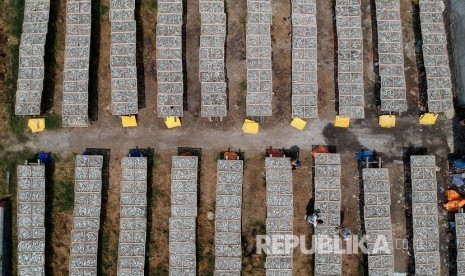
x: 52, y: 121
x: 160, y: 270
x: 152, y: 5
x: 211, y: 263
x: 361, y: 268
x: 243, y: 85
x: 109, y: 252
x: 64, y: 196
x: 244, y: 22
x: 156, y: 193
x: 104, y: 10
x: 12, y: 13
x: 260, y: 227
x: 8, y: 165
x: 244, y: 28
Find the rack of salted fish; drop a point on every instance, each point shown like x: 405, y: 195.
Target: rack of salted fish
x: 258, y: 55
x: 279, y: 215
x: 377, y: 218
x: 228, y: 248
x: 327, y: 179
x: 133, y: 216
x: 76, y: 69
x: 435, y: 56
x: 425, y: 215
x: 460, y: 240
x: 212, y: 58
x: 182, y: 223
x: 391, y: 56
x: 170, y: 75
x: 304, y: 59
x: 31, y: 216
x: 31, y: 69
x: 350, y: 59
x: 124, y: 98
x: 86, y: 215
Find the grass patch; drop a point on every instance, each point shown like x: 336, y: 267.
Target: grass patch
x: 160, y: 270
x: 63, y: 183
x: 153, y: 4
x: 211, y: 264
x: 258, y: 262
x: 64, y: 196
x: 17, y: 125
x: 154, y: 30
x: 109, y: 252
x: 156, y: 193
x: 12, y: 13
x: 9, y: 162
x: 104, y: 10
x: 244, y: 22
x: 260, y: 227
x: 52, y: 121
x: 361, y: 268
x: 243, y: 85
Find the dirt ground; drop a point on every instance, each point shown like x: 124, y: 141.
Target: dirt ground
x: 215, y: 136
x: 302, y: 188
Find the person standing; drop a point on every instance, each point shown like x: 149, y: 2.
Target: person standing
x: 313, y: 219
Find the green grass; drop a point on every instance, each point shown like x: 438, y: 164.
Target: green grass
x: 52, y: 121
x: 243, y: 85
x: 17, y: 125
x: 210, y: 256
x: 216, y: 157
x: 64, y: 196
x: 160, y: 270
x: 109, y: 253
x: 260, y: 227
x: 244, y: 28
x: 104, y: 10
x: 361, y: 268
x: 12, y: 14
x: 156, y: 193
x: 154, y: 30
x: 8, y: 164
x: 244, y: 22
x: 211, y: 264
x: 153, y: 4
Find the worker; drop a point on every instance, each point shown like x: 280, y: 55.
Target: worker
x: 296, y: 164
x: 344, y: 232
x: 313, y: 219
